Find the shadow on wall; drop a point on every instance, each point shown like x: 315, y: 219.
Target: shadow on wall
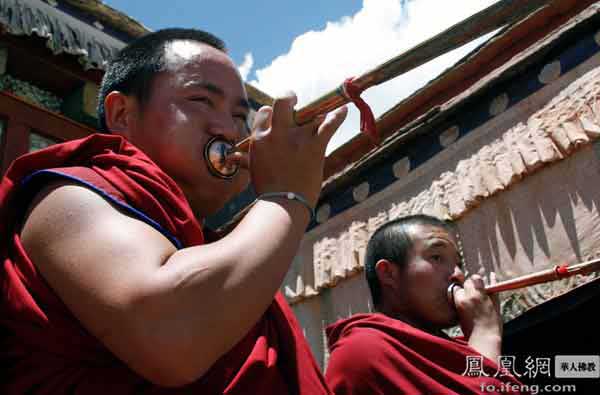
x: 547, y: 219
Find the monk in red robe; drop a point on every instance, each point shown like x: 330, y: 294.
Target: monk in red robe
x: 108, y: 283
x: 401, y: 349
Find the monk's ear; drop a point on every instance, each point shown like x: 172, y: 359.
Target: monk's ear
x: 387, y: 272
x: 120, y: 111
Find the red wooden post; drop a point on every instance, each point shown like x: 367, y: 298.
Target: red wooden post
x: 16, y: 142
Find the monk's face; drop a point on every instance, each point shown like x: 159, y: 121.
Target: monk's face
x: 200, y: 95
x: 433, y: 264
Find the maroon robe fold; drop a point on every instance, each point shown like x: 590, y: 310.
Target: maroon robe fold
x: 374, y: 354
x: 44, y: 349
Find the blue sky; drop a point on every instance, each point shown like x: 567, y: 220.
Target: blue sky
x: 312, y: 46
x: 266, y: 28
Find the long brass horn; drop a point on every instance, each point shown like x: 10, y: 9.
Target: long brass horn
x: 543, y: 276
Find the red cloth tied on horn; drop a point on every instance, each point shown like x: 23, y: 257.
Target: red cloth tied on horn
x: 43, y: 347
x: 367, y: 120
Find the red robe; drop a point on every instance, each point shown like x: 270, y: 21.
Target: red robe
x: 43, y: 347
x: 374, y: 354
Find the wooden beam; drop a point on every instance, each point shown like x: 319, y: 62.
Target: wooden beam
x: 502, y: 13
x: 37, y: 118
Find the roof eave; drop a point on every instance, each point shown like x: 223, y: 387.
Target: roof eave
x: 114, y: 18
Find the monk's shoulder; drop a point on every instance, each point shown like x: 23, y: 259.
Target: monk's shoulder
x: 63, y: 213
x: 359, y: 347
x: 60, y: 204
x: 359, y: 362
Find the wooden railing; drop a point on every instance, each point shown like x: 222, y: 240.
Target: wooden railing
x: 21, y: 118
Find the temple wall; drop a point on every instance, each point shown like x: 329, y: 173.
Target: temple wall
x: 523, y: 188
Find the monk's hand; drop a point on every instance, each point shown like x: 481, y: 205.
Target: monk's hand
x: 478, y: 312
x: 286, y: 157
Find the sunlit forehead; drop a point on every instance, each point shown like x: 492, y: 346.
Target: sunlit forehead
x: 182, y: 51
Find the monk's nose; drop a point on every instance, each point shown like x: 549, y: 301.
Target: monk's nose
x: 226, y: 126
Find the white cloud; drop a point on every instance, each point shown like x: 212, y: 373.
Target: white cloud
x: 318, y: 61
x: 246, y: 65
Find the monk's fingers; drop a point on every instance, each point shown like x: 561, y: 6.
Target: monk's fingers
x: 474, y: 288
x: 283, y: 111
x: 475, y: 292
x: 331, y: 124
x: 459, y: 295
x: 262, y: 122
x: 476, y: 282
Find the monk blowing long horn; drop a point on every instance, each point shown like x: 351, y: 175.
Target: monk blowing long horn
x: 544, y: 276
x: 499, y: 14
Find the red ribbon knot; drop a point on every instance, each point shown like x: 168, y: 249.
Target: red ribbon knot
x: 367, y: 119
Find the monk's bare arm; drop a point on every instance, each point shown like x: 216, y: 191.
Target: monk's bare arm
x: 167, y: 314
